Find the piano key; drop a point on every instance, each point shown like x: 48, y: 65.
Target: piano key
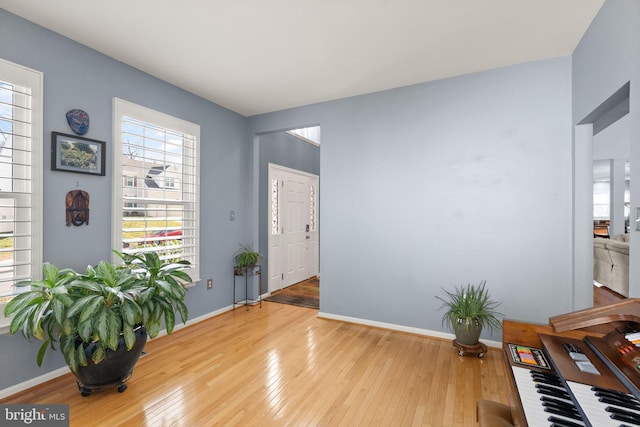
x: 615, y: 393
x: 552, y: 391
x: 554, y: 388
x: 620, y: 417
x: 629, y: 414
x: 547, y: 380
x: 557, y: 422
x: 595, y: 410
x: 568, y: 414
x: 532, y: 405
x: 557, y: 401
x: 548, y: 375
x: 560, y: 406
x: 618, y: 402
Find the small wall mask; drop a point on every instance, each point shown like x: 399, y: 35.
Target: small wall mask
x: 77, y: 202
x: 78, y: 121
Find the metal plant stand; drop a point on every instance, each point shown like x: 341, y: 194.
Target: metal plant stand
x: 248, y: 272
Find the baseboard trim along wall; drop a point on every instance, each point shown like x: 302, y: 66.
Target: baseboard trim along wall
x: 33, y: 382
x: 400, y: 328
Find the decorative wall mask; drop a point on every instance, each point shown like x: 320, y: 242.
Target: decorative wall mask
x: 78, y: 121
x: 77, y: 202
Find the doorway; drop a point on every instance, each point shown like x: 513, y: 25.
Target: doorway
x: 594, y: 127
x: 293, y: 246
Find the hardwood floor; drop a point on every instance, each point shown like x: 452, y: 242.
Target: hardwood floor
x: 281, y: 365
x: 307, y: 288
x: 604, y: 296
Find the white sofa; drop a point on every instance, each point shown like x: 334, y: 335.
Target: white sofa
x: 611, y: 263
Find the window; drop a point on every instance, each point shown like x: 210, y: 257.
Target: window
x: 156, y: 184
x: 601, y: 200
x: 275, y: 213
x: 309, y: 134
x: 20, y: 177
x: 312, y: 208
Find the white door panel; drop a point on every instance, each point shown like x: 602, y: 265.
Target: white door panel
x: 275, y: 261
x: 297, y: 195
x: 293, y: 250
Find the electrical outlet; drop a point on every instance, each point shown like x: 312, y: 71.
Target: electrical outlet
x: 209, y: 283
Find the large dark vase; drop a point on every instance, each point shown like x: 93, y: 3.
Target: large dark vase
x: 114, y: 369
x: 467, y: 333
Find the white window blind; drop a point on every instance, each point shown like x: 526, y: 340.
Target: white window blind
x: 20, y: 176
x: 156, y: 162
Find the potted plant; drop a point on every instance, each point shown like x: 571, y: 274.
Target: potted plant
x: 246, y: 259
x: 467, y: 310
x: 101, y: 319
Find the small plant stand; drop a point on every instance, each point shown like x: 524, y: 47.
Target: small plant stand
x: 250, y: 271
x: 480, y: 349
x: 86, y: 390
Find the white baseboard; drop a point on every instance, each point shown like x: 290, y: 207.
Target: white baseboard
x: 197, y: 319
x: 65, y: 370
x: 34, y: 381
x: 399, y: 328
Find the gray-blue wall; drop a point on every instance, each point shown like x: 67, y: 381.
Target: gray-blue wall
x: 78, y: 77
x: 442, y: 184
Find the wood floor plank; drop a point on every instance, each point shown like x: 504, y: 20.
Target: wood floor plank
x: 282, y: 365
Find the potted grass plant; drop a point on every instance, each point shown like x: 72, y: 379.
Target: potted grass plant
x: 468, y: 309
x: 246, y: 259
x: 100, y: 319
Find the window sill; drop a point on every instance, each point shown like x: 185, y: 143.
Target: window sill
x: 193, y: 283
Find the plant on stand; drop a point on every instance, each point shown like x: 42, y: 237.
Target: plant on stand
x: 468, y: 309
x: 246, y: 259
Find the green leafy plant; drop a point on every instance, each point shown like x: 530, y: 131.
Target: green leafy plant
x: 245, y: 259
x: 106, y: 302
x: 470, y: 303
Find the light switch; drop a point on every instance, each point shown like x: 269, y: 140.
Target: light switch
x: 232, y: 215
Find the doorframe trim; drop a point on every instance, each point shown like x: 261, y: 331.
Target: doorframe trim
x: 270, y: 168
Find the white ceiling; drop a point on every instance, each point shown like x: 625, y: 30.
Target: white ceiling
x: 257, y: 56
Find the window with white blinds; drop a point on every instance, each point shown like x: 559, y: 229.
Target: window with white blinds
x: 20, y: 176
x: 156, y: 184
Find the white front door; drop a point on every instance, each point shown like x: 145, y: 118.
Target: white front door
x: 293, y: 219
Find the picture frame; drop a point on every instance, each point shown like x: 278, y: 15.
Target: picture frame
x: 72, y: 153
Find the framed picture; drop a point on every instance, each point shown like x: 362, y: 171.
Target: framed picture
x: 72, y: 153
